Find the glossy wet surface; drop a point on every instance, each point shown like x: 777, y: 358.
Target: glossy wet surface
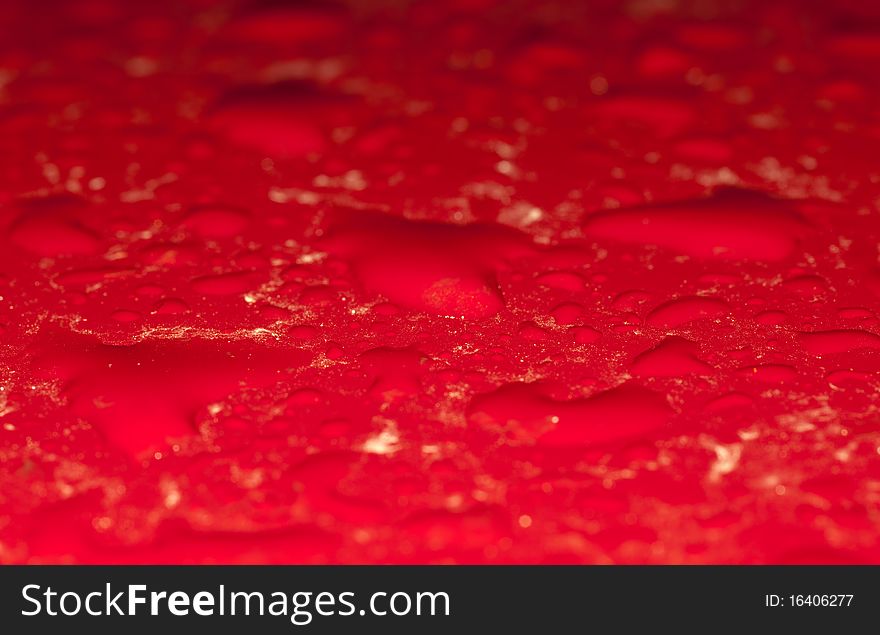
x: 463, y: 281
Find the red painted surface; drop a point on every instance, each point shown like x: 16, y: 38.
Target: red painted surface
x: 463, y: 281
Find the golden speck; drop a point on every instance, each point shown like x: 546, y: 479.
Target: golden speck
x: 504, y: 167
x: 598, y: 85
x: 102, y: 523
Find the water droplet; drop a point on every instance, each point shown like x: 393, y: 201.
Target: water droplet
x: 523, y: 411
x: 683, y: 310
x: 838, y: 341
x: 672, y: 357
x: 729, y: 225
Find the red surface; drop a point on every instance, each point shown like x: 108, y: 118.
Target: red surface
x: 463, y: 281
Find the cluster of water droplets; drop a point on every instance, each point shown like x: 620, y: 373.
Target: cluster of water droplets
x: 442, y: 281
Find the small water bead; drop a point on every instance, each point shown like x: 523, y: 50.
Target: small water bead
x: 319, y: 296
x: 562, y: 280
x: 568, y: 313
x: 630, y: 300
x: 532, y: 332
x: 847, y: 378
x: 304, y: 397
x: 272, y: 313
x: 91, y: 277
x: 536, y: 61
x: 708, y: 150
x: 770, y: 373
x: 729, y: 225
x: 684, y: 310
x: 232, y: 283
x: 728, y: 402
x: 52, y: 227
x: 303, y: 332
x: 526, y: 413
x: 386, y: 309
x: 126, y: 316
x: 838, y: 341
x: 664, y: 117
x: 672, y: 357
x: 772, y: 318
x: 171, y: 306
x: 855, y: 313
x: 813, y: 287
x: 441, y: 269
x: 105, y: 384
x: 171, y: 255
x: 661, y: 61
x: 216, y: 221
x: 585, y: 334
x: 286, y: 120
